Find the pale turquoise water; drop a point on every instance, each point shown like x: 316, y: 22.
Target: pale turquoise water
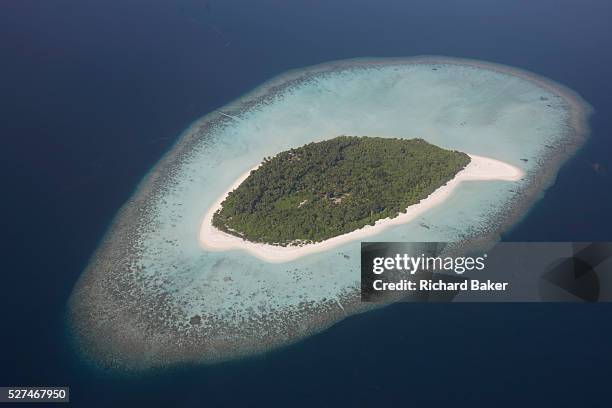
x: 468, y: 108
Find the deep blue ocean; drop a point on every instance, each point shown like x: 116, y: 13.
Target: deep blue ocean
x: 92, y: 93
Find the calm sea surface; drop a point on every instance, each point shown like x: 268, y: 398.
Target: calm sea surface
x: 93, y: 93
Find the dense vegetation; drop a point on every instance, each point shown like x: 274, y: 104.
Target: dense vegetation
x: 333, y: 187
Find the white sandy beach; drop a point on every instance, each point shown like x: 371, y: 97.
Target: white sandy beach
x: 480, y: 169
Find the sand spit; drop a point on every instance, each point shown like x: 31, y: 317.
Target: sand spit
x: 479, y: 169
x: 152, y: 297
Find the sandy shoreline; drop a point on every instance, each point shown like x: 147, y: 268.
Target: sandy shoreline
x: 480, y: 169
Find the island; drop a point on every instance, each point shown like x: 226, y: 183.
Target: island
x: 423, y: 178
x: 166, y: 287
x: 333, y: 187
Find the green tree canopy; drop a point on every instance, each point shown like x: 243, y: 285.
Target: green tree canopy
x: 324, y: 189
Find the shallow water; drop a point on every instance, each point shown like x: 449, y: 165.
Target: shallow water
x: 464, y: 107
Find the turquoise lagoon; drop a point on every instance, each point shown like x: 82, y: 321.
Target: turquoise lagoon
x: 153, y: 297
